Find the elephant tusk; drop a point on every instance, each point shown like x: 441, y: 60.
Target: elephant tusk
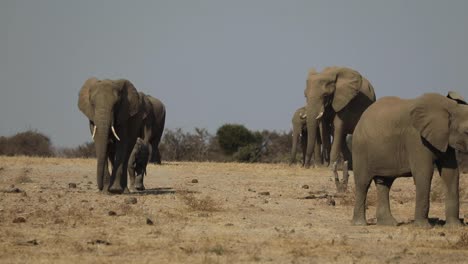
x: 94, y: 132
x: 115, y: 134
x: 319, y: 115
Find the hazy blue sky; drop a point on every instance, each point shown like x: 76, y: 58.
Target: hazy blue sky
x: 214, y: 61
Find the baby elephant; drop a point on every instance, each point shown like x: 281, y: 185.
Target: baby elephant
x: 137, y: 162
x: 403, y: 138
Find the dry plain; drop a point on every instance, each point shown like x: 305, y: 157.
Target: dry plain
x: 210, y: 213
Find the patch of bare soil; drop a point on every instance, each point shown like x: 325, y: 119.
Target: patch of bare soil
x: 50, y: 211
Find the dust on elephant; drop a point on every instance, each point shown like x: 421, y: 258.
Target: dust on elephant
x: 299, y: 132
x: 116, y: 112
x: 339, y: 92
x: 148, y: 140
x: 402, y: 138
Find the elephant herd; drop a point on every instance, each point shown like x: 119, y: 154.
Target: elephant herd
x: 390, y: 137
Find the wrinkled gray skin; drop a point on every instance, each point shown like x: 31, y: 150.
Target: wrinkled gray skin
x: 341, y: 93
x: 137, y: 163
x: 299, y: 132
x: 403, y: 138
x: 107, y: 104
x: 149, y: 139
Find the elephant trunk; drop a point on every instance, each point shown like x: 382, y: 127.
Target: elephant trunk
x: 313, y: 112
x: 103, y: 123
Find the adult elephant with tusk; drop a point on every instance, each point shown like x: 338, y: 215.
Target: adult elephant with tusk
x: 339, y: 92
x: 116, y: 114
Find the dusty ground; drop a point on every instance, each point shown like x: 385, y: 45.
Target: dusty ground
x: 224, y: 218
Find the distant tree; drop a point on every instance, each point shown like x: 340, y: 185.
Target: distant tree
x: 231, y: 137
x: 28, y: 143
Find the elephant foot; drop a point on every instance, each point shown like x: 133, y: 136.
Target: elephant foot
x: 140, y: 188
x: 424, y: 223
x: 453, y: 223
x: 359, y: 222
x: 387, y: 221
x: 116, y: 189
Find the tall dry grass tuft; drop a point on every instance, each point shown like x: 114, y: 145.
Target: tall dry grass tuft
x: 206, y: 204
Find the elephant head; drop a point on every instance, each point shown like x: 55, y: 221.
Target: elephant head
x: 330, y: 90
x: 108, y: 105
x: 442, y: 122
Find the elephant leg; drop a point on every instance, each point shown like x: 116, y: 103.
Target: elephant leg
x: 317, y: 152
x: 139, y: 184
x: 384, y: 215
x: 422, y: 180
x: 362, y: 181
x: 119, y: 171
x: 338, y: 139
x: 347, y: 156
x: 156, y: 155
x: 110, y: 161
x: 448, y: 170
x: 304, y: 146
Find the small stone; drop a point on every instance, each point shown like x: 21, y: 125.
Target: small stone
x: 149, y: 221
x: 28, y: 243
x: 19, y: 220
x: 99, y: 242
x: 264, y: 193
x: 331, y: 201
x: 112, y: 213
x: 251, y: 190
x: 194, y: 181
x: 72, y: 185
x: 12, y: 189
x: 130, y: 200
x: 442, y: 234
x: 305, y: 186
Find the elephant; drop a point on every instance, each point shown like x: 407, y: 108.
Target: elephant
x: 148, y: 141
x: 403, y: 138
x: 137, y: 163
x: 299, y: 131
x: 116, y: 114
x: 341, y: 93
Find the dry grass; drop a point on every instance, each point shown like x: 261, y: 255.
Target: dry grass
x: 235, y: 213
x: 206, y: 204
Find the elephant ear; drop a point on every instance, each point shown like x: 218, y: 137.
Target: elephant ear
x: 348, y: 84
x: 84, y: 103
x: 456, y: 97
x: 130, y: 100
x: 430, y: 116
x: 146, y: 105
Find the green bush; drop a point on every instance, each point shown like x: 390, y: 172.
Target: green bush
x: 231, y: 137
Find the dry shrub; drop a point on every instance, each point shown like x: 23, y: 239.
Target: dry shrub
x: 216, y: 249
x: 85, y: 150
x: 206, y: 204
x: 23, y: 177
x: 29, y: 143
